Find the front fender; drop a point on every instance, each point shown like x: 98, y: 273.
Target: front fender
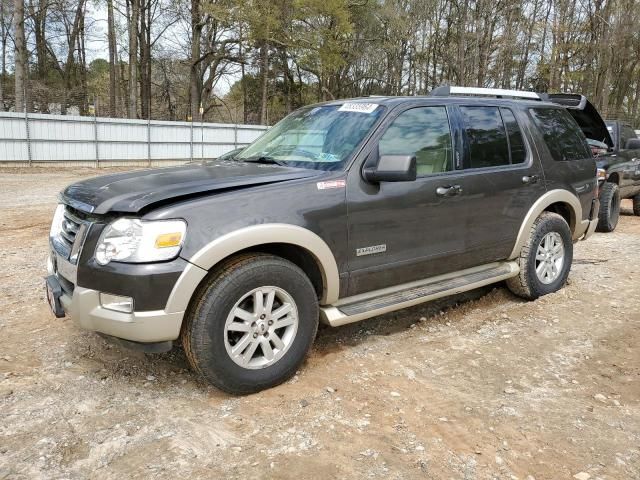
x: 226, y: 245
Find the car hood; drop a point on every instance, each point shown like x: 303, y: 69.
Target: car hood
x: 132, y: 192
x: 583, y: 111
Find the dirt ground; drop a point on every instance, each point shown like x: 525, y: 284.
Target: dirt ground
x: 482, y: 386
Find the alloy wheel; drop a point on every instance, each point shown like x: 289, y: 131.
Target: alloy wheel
x: 261, y: 327
x: 550, y: 258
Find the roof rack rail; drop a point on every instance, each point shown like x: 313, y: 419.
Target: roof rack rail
x: 447, y: 90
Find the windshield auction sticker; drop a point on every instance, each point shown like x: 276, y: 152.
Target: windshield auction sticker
x: 358, y: 107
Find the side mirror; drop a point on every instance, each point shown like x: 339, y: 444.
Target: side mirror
x: 392, y: 168
x: 633, y: 144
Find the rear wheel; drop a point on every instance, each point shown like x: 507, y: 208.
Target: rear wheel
x: 545, y: 259
x: 636, y: 205
x: 609, y: 207
x: 252, y: 324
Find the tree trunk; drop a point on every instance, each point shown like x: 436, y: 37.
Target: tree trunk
x: 3, y: 61
x: 264, y: 75
x: 241, y: 54
x: 83, y: 71
x: 20, y: 56
x: 142, y: 41
x: 112, y: 60
x: 195, y: 91
x: 148, y: 60
x: 70, y: 64
x: 133, y: 59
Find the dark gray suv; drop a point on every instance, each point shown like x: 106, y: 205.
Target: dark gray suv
x: 342, y: 211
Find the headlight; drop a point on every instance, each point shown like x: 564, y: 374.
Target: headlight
x: 56, y: 223
x: 132, y: 240
x: 601, y: 174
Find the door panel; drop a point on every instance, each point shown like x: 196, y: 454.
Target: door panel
x: 499, y: 197
x: 422, y: 233
x: 404, y: 231
x: 498, y: 203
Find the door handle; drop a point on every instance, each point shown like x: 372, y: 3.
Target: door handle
x: 449, y: 191
x: 529, y: 179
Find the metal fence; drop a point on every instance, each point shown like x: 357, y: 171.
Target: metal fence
x: 61, y: 140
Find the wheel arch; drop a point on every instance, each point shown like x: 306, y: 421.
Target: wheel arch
x: 561, y: 202
x: 297, y: 244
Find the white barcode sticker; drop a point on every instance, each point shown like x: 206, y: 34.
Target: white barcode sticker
x: 358, y: 107
x: 331, y: 184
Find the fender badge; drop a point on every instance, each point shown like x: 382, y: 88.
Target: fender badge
x: 371, y: 250
x: 331, y: 184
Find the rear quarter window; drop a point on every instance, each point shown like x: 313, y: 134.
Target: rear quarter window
x: 561, y: 133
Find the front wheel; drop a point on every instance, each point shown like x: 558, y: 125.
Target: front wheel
x: 252, y: 324
x: 545, y: 259
x: 609, y: 207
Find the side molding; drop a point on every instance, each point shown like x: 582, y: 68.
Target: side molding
x: 549, y: 198
x: 248, y: 237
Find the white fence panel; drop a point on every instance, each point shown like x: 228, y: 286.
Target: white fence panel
x: 72, y: 140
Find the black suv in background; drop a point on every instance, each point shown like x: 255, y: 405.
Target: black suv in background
x: 342, y: 211
x: 618, y: 166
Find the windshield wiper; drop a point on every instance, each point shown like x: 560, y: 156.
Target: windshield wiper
x: 263, y: 159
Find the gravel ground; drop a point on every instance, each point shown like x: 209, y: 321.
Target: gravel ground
x: 481, y: 386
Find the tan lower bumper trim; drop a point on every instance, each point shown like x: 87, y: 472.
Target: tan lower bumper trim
x: 151, y: 326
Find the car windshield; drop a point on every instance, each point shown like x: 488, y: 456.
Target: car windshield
x: 321, y: 137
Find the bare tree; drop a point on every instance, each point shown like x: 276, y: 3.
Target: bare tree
x: 113, y: 72
x: 20, y: 56
x: 132, y: 107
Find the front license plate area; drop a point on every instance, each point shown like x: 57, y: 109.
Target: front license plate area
x: 54, y: 292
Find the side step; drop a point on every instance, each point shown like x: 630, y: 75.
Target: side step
x: 371, y: 304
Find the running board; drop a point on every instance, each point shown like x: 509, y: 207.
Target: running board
x: 367, y: 305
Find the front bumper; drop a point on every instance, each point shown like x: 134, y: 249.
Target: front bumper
x: 145, y: 327
x: 84, y: 307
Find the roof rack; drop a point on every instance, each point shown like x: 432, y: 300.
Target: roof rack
x: 447, y: 90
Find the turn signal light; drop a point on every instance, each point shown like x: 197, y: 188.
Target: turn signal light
x: 168, y: 240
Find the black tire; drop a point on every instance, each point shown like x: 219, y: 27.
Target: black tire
x: 636, y: 205
x: 527, y: 284
x: 203, y: 333
x: 609, y: 207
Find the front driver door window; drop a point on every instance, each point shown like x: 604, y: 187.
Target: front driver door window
x: 423, y: 132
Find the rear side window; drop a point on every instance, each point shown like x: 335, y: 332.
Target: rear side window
x: 561, y: 133
x: 516, y: 142
x: 487, y: 137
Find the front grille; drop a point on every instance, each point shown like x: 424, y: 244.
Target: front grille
x: 70, y: 235
x: 69, y: 228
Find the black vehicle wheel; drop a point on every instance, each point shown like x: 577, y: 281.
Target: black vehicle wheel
x: 252, y: 324
x: 609, y: 207
x: 636, y: 205
x: 545, y: 259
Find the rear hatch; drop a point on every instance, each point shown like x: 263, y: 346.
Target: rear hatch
x: 583, y: 111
